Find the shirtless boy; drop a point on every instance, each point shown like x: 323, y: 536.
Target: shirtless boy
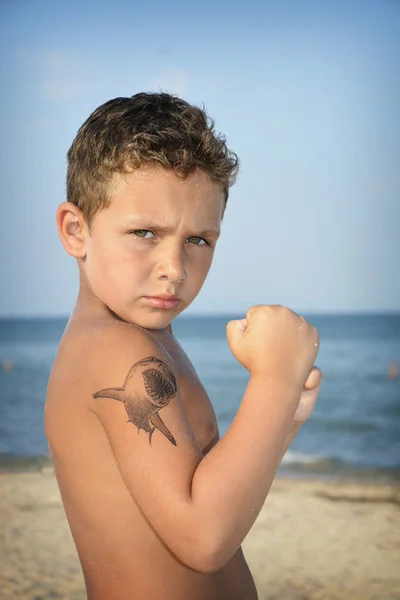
x: 158, y: 506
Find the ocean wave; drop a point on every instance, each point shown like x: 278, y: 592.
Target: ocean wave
x: 302, y: 464
x: 300, y: 458
x: 12, y: 463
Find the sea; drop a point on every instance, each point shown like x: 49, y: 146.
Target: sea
x: 352, y: 434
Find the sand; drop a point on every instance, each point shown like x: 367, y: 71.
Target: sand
x: 312, y: 540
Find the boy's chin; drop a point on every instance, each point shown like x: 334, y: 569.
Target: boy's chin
x: 155, y: 320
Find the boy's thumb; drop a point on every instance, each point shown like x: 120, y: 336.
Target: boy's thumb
x: 314, y: 379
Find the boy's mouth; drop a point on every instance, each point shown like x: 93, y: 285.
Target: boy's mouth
x: 163, y: 301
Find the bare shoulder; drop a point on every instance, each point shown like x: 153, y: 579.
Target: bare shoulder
x: 115, y: 336
x: 133, y: 367
x: 116, y: 361
x: 90, y: 360
x: 86, y: 355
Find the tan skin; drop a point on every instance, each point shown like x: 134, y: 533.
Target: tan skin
x: 139, y: 514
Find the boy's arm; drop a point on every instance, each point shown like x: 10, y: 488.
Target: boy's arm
x: 201, y: 507
x: 293, y: 431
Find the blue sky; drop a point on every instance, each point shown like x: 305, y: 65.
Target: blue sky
x: 307, y: 93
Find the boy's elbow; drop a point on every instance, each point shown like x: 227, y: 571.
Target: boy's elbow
x: 210, y: 564
x: 206, y: 563
x: 206, y: 556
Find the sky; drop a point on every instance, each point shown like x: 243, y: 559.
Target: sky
x: 307, y: 94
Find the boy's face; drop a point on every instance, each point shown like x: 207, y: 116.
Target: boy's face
x: 149, y: 252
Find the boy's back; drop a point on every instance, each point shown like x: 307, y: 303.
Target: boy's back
x: 121, y: 554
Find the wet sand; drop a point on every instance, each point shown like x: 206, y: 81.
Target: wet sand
x: 313, y: 540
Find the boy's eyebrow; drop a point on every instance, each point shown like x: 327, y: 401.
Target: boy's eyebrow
x: 209, y: 233
x: 139, y: 223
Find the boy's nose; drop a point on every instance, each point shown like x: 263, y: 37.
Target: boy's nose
x: 171, y: 266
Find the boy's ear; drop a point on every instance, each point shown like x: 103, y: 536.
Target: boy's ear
x: 72, y: 229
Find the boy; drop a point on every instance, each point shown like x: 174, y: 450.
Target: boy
x: 158, y: 506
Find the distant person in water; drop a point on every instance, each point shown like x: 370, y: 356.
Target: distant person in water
x: 158, y: 505
x: 393, y: 370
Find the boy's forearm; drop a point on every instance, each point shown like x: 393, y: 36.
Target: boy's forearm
x: 294, y: 430
x: 231, y: 483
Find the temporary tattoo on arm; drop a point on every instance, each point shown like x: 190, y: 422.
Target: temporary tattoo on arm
x: 149, y: 386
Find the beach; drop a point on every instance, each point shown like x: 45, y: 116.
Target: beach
x: 313, y: 540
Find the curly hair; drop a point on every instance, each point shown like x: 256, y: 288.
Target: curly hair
x: 125, y: 133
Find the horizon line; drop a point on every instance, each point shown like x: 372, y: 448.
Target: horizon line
x: 313, y: 312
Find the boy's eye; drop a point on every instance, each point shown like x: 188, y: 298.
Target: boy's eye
x: 143, y: 233
x: 194, y: 239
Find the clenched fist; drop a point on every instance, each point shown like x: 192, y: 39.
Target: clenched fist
x: 275, y: 342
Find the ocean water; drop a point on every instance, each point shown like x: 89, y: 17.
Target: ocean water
x: 354, y: 431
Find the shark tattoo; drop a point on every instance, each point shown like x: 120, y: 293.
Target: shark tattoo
x: 149, y: 386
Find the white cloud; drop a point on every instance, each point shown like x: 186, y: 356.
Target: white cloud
x: 62, y: 76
